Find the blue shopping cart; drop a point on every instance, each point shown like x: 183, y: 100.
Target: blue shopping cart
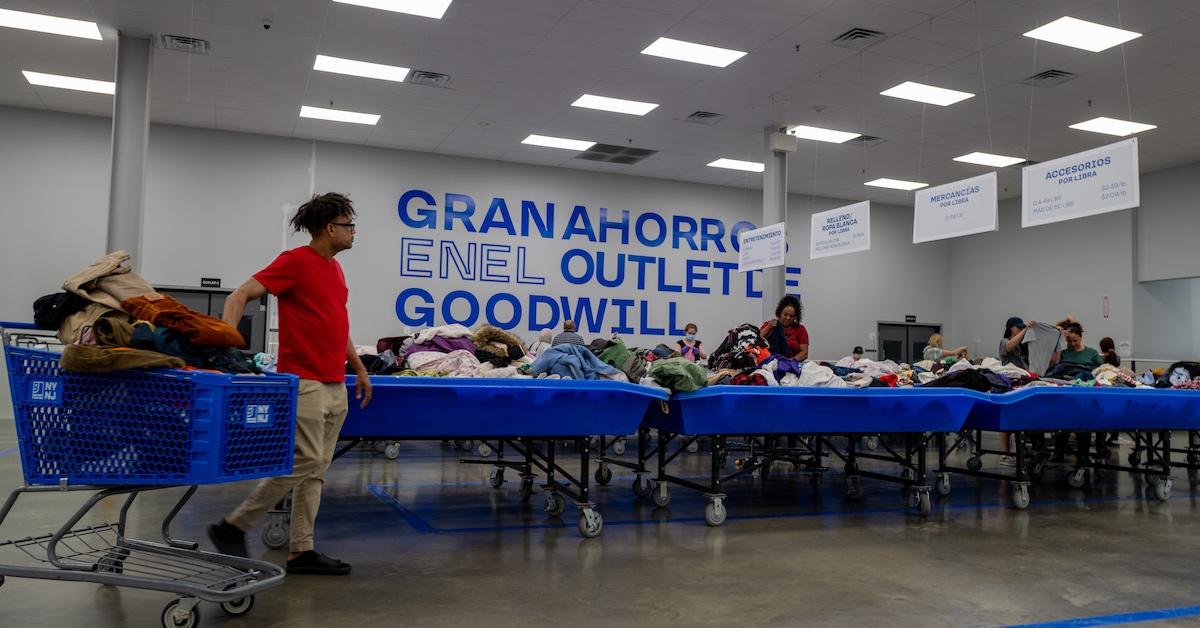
x: 121, y: 434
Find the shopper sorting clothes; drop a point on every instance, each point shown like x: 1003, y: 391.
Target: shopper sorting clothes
x: 568, y: 336
x: 785, y: 335
x: 1076, y: 352
x: 1012, y: 349
x: 934, y: 350
x: 689, y: 345
x: 545, y: 341
x: 314, y: 344
x: 1108, y: 352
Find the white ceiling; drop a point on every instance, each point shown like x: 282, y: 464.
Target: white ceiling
x: 518, y: 64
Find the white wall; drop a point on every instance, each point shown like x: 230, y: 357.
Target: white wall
x: 1042, y: 273
x: 1165, y: 313
x: 1168, y: 224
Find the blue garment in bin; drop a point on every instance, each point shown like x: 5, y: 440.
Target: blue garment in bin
x: 736, y: 410
x: 1087, y: 409
x: 449, y: 407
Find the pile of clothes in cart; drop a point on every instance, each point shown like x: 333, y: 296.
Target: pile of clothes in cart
x: 110, y: 319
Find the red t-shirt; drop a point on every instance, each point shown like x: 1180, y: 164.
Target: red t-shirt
x: 796, y: 335
x: 314, y: 326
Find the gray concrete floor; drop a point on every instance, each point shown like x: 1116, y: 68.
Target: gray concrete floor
x: 433, y: 545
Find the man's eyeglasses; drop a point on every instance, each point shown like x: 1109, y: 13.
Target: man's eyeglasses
x: 348, y: 225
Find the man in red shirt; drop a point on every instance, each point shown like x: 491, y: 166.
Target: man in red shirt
x: 314, y: 344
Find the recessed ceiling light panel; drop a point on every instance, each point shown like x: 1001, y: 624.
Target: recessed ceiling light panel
x: 896, y: 184
x: 1082, y: 34
x: 921, y: 92
x: 821, y: 135
x: 338, y: 115
x: 424, y: 8
x: 558, y: 142
x: 49, y: 24
x: 737, y: 164
x: 360, y: 68
x: 694, y: 53
x: 616, y: 105
x: 70, y: 82
x: 1112, y: 126
x: 989, y: 159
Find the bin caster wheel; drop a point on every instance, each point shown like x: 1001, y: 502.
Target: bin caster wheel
x: 642, y: 487
x: 871, y: 442
x: 1036, y: 470
x: 238, y: 607
x: 1162, y: 490
x: 590, y: 523
x: 1077, y: 479
x: 974, y: 463
x: 555, y: 505
x: 923, y: 503
x: 714, y: 512
x: 603, y: 475
x: 174, y: 617
x: 693, y: 447
x: 391, y: 451
x: 854, y: 488
x: 1020, y: 497
x: 526, y: 489
x: 661, y: 495
x: 943, y: 485
x: 276, y: 535
x: 618, y: 447
x: 484, y: 450
x: 497, y: 477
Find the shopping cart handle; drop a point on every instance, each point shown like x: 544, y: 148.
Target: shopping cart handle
x: 16, y: 325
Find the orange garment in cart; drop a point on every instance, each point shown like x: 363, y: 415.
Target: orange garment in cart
x: 200, y: 329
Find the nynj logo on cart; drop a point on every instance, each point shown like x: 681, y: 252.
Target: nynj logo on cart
x: 45, y: 391
x: 258, y: 415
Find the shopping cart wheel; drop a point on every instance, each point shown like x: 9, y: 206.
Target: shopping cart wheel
x: 603, y: 475
x: 1077, y: 479
x: 974, y: 463
x: 277, y: 533
x: 661, y: 494
x: 175, y: 617
x: 391, y: 451
x: 618, y: 447
x: 113, y: 561
x: 943, y: 484
x: 590, y: 523
x: 1162, y: 490
x: 238, y: 607
x: 497, y: 477
x: 1020, y: 496
x: 714, y: 512
x: 555, y: 505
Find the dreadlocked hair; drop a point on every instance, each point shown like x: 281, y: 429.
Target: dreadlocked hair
x: 321, y: 210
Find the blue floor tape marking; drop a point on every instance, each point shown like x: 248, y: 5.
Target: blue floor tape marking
x: 411, y: 518
x: 5, y: 452
x: 1112, y: 620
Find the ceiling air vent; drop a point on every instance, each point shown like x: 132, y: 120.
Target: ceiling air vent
x: 867, y: 140
x: 859, y: 38
x: 431, y: 79
x: 613, y: 154
x: 1049, y: 78
x: 183, y: 43
x: 705, y: 117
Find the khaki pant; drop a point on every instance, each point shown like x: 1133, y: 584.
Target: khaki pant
x: 320, y: 411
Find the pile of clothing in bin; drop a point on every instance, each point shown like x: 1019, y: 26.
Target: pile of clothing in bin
x: 110, y: 319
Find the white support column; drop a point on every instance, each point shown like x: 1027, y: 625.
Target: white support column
x: 130, y: 137
x: 775, y: 195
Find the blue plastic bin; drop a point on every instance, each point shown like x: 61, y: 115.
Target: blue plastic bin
x: 148, y: 427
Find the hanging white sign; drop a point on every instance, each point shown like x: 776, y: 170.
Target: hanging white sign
x: 762, y: 248
x: 842, y: 230
x: 1093, y: 182
x: 955, y: 209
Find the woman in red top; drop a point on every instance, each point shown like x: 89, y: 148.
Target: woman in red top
x: 785, y: 334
